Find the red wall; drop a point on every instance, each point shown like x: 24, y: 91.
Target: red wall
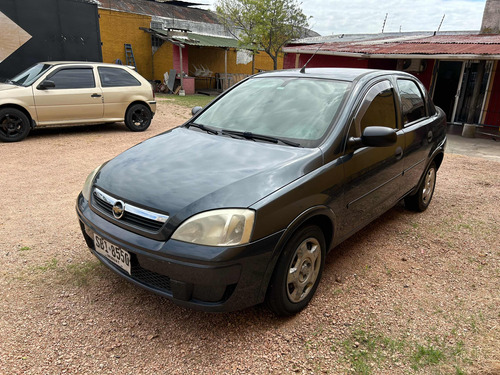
x: 493, y: 110
x: 324, y: 61
x: 177, y: 59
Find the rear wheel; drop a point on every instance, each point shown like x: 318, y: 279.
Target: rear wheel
x: 422, y: 198
x: 297, y: 272
x: 138, y: 117
x: 14, y: 125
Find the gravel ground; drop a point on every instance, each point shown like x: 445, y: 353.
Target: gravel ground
x: 411, y: 293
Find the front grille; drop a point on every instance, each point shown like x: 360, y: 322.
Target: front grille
x: 104, y: 203
x: 150, y: 278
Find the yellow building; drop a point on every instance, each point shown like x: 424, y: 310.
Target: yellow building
x: 158, y: 31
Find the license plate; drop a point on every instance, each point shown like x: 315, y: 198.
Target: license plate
x: 113, y: 252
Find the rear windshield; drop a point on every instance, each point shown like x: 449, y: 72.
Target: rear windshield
x: 298, y: 109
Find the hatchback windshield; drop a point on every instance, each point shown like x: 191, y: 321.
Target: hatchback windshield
x: 298, y: 109
x: 30, y: 75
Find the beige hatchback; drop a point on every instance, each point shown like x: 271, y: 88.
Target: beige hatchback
x: 56, y: 93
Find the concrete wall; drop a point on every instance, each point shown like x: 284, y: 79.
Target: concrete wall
x: 491, y: 18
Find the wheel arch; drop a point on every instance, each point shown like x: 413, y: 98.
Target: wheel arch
x: 137, y: 101
x: 321, y: 216
x: 22, y: 109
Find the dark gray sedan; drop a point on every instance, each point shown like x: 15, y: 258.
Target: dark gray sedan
x: 241, y: 204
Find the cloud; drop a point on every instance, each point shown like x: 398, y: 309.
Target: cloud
x: 362, y: 16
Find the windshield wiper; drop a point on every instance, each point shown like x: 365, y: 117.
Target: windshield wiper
x: 260, y: 137
x: 202, y: 127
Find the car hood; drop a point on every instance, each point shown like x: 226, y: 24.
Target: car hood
x: 184, y: 171
x: 8, y: 87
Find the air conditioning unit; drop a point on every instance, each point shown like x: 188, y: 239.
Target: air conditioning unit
x: 412, y: 65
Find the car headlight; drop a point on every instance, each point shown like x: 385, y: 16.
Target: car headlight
x: 226, y: 227
x: 87, y: 186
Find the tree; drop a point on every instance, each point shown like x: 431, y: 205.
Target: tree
x: 263, y: 24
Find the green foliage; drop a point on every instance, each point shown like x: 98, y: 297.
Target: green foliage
x: 263, y: 24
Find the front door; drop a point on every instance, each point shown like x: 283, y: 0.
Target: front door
x: 75, y: 98
x: 373, y: 174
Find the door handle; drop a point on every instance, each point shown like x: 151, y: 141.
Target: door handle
x: 399, y: 153
x: 429, y: 137
x: 95, y: 96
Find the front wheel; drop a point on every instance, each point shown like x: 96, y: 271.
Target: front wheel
x: 138, y: 117
x: 298, y: 272
x: 422, y: 198
x: 14, y: 125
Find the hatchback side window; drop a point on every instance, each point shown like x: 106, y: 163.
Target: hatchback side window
x: 74, y: 78
x: 378, y: 109
x: 412, y: 102
x: 116, y: 77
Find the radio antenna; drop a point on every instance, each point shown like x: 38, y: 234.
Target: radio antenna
x: 303, y: 70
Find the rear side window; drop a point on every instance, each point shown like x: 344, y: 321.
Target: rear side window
x: 412, y: 102
x: 73, y: 78
x: 116, y: 77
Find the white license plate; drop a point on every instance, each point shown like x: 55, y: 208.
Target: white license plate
x: 113, y: 252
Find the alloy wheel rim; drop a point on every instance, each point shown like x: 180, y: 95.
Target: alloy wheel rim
x: 138, y: 117
x: 303, y: 270
x: 430, y: 179
x: 11, y: 125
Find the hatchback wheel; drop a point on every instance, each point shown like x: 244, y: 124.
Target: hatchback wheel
x: 138, y: 117
x: 422, y: 198
x: 14, y: 125
x: 298, y: 272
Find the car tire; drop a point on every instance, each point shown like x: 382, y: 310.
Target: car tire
x: 138, y: 117
x: 422, y: 198
x: 14, y: 125
x: 298, y: 272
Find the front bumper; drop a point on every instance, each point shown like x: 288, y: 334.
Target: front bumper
x: 201, y: 277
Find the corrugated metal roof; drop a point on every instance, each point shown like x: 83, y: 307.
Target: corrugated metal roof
x: 170, y: 9
x: 425, y: 45
x: 194, y: 39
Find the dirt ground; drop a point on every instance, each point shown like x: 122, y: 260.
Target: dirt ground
x: 411, y: 293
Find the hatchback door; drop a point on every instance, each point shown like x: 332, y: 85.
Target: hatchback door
x: 372, y: 174
x: 74, y: 99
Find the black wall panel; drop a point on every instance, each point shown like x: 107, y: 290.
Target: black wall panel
x: 60, y: 30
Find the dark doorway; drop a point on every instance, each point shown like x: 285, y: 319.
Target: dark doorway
x: 448, y: 78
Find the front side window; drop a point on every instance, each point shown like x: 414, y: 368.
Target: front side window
x: 377, y: 109
x: 73, y: 78
x: 412, y: 102
x: 297, y: 109
x: 116, y: 77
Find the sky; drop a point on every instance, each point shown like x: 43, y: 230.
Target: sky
x: 364, y: 16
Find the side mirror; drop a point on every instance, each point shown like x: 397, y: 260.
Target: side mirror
x: 379, y: 136
x: 46, y: 84
x: 374, y: 136
x: 196, y: 109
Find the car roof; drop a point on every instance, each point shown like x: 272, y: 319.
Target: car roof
x: 84, y: 63
x: 343, y: 74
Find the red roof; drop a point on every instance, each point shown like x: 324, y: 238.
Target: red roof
x: 455, y: 45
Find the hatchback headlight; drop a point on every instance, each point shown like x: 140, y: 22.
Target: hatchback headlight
x: 226, y: 227
x: 87, y: 186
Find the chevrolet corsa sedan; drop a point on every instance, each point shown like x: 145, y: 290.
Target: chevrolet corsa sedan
x: 55, y: 93
x: 241, y: 204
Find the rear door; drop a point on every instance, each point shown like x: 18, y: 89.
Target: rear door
x: 74, y: 99
x: 372, y: 174
x: 418, y: 129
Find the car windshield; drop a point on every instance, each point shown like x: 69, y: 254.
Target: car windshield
x: 296, y: 109
x: 30, y: 75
